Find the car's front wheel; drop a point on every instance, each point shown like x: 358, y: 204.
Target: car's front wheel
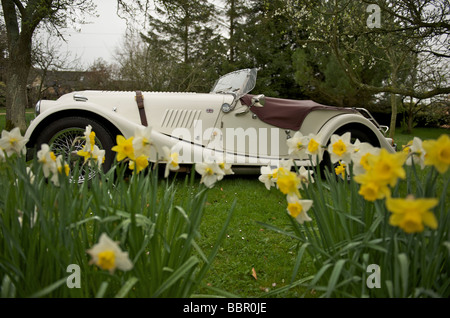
x: 64, y: 136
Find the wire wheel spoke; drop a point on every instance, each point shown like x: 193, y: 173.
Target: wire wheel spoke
x: 67, y: 143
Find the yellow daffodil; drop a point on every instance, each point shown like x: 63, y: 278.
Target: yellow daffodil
x: 437, y: 153
x: 387, y: 167
x: 124, y: 148
x: 297, y: 208
x: 139, y: 164
x: 288, y: 182
x: 341, y: 169
x: 13, y: 142
x: 107, y: 255
x: 411, y: 214
x: 370, y: 189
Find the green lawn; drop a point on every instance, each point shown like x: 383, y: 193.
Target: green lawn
x: 249, y: 248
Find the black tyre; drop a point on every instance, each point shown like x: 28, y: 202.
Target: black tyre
x: 62, y: 136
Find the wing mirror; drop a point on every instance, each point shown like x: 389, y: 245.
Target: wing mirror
x: 259, y: 100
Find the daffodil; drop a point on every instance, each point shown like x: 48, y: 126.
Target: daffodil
x: 340, y: 148
x: 297, y: 209
x: 288, y: 182
x: 89, y: 137
x: 387, y: 168
x: 370, y: 189
x: 210, y: 172
x: 171, y: 158
x: 341, y: 169
x: 13, y: 142
x: 139, y: 164
x: 416, y: 152
x: 437, y: 153
x: 142, y: 142
x: 267, y: 176
x: 360, y: 154
x: 411, y: 214
x: 305, y: 176
x: 226, y: 168
x: 298, y: 145
x: 61, y: 169
x: 315, y: 148
x: 124, y: 148
x: 47, y: 159
x: 107, y: 255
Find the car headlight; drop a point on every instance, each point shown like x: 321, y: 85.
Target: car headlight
x: 37, y: 108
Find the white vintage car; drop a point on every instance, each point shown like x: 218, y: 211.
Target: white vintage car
x: 248, y: 130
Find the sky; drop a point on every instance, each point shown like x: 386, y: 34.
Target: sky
x: 98, y: 39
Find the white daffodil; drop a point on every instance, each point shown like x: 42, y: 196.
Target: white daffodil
x: 286, y: 164
x: 297, y: 208
x: 2, y: 155
x: 340, y: 148
x: 89, y: 136
x: 210, y: 172
x: 61, y: 168
x: 172, y: 161
x: 305, y: 177
x: 361, y: 151
x: 98, y: 155
x: 416, y: 151
x: 226, y: 168
x: 13, y: 142
x: 48, y: 160
x: 107, y: 255
x: 315, y: 148
x: 142, y: 142
x: 298, y: 145
x: 267, y: 176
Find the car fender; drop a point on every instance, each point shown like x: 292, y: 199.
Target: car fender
x: 118, y: 125
x: 354, y: 121
x: 123, y: 126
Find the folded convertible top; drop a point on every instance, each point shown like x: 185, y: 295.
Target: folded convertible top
x: 287, y: 113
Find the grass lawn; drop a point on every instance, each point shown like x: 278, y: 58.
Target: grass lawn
x: 253, y: 260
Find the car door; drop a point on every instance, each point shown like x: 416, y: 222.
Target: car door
x: 248, y: 140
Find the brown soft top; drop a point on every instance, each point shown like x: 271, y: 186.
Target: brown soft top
x: 287, y: 113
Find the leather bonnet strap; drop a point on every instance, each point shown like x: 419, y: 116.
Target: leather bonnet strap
x: 140, y: 103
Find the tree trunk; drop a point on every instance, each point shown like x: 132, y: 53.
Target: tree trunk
x: 19, y: 64
x: 16, y: 94
x: 393, y: 115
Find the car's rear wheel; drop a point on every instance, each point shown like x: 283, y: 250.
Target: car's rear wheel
x: 64, y: 136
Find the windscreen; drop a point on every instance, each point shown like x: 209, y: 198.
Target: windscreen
x: 239, y: 82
